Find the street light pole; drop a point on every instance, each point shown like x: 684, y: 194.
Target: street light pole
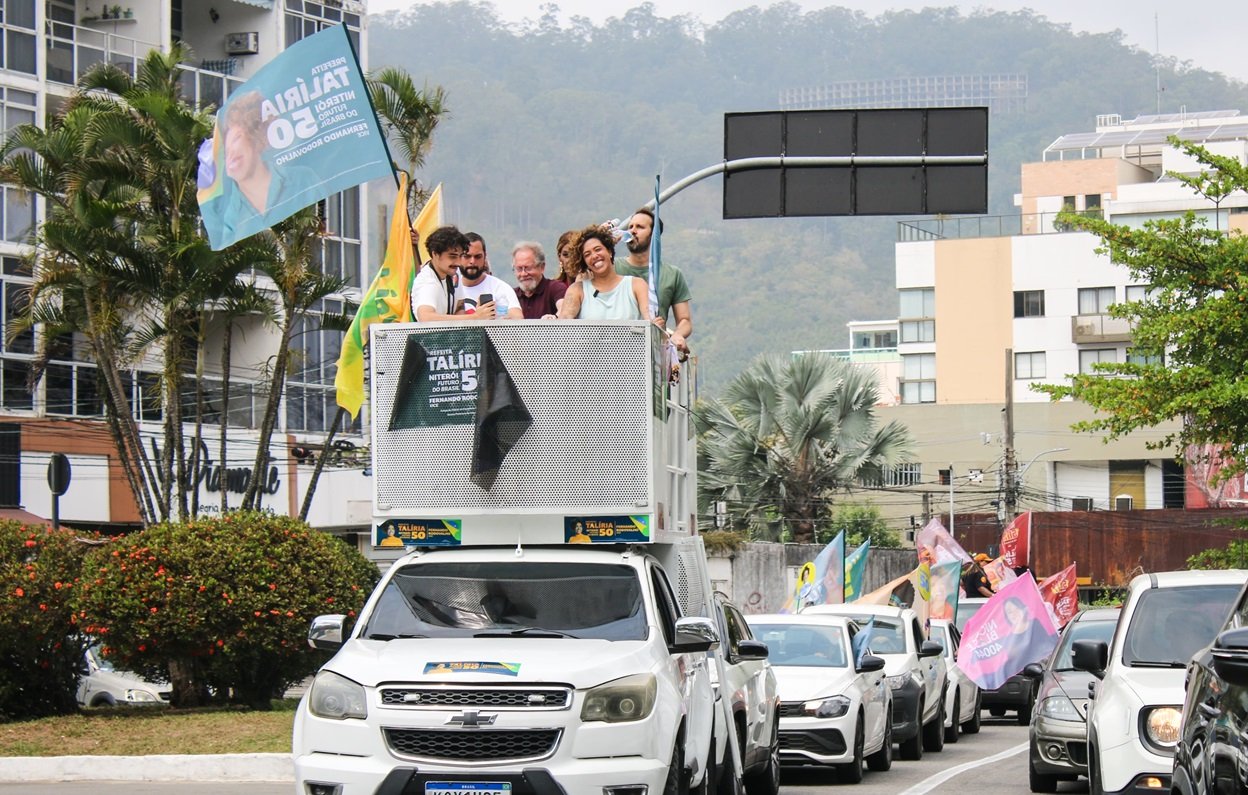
x: 1023, y: 472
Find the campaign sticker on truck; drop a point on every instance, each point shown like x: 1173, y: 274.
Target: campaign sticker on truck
x: 465, y: 667
x: 467, y: 788
x: 419, y: 533
x: 606, y: 529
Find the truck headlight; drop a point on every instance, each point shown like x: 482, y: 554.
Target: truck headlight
x: 336, y: 697
x: 1059, y: 708
x: 627, y: 699
x: 833, y: 707
x: 1161, y: 727
x: 898, y: 681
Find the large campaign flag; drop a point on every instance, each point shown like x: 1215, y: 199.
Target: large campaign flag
x: 898, y: 592
x: 1011, y: 630
x: 998, y: 573
x: 856, y: 570
x: 1061, y: 593
x: 1016, y: 541
x: 937, y: 545
x: 429, y: 219
x: 802, y: 589
x: 388, y: 300
x: 300, y: 130
x: 943, y: 591
x: 826, y: 587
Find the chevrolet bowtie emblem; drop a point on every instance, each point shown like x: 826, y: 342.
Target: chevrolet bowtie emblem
x: 471, y: 718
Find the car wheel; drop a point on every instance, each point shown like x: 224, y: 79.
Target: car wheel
x: 997, y: 712
x: 912, y: 749
x: 934, y: 732
x: 1040, y: 782
x: 951, y: 731
x: 104, y: 700
x: 707, y: 787
x: 767, y: 780
x: 677, y: 783
x: 882, y: 759
x: 972, y: 725
x: 1024, y: 712
x: 1094, y: 772
x: 851, y: 773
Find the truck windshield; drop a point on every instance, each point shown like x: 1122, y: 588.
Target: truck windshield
x: 1169, y: 625
x: 528, y: 600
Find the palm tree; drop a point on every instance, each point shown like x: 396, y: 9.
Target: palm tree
x: 787, y: 435
x: 408, y: 118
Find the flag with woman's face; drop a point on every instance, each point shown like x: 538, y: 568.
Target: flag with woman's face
x: 1011, y: 630
x: 1016, y: 541
x: 943, y: 588
x: 830, y: 573
x: 1061, y: 592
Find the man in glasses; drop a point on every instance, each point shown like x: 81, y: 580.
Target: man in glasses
x: 538, y: 295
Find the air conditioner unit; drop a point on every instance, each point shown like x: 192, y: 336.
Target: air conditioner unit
x: 245, y: 43
x: 1081, y: 503
x: 1085, y: 330
x: 1124, y: 502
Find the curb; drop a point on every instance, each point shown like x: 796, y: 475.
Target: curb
x: 166, y: 767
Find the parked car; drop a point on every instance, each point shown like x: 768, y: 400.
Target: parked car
x: 102, y: 685
x: 834, y: 706
x: 916, y: 672
x: 749, y: 685
x: 1059, y: 728
x: 962, y: 706
x: 1212, y: 754
x: 1018, y: 694
x: 1135, y: 708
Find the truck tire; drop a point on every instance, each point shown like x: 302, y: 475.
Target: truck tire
x: 912, y: 749
x: 766, y: 780
x: 951, y: 731
x: 934, y: 732
x: 677, y: 783
x: 972, y: 725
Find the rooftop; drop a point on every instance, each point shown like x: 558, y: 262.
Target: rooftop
x: 1150, y: 132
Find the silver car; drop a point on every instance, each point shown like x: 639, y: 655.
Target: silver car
x: 102, y: 685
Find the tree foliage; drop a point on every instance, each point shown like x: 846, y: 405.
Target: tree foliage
x: 787, y: 435
x: 1190, y: 329
x: 861, y: 523
x: 41, y: 651
x: 1233, y: 556
x: 221, y: 603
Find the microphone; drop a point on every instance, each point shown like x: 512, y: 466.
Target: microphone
x: 595, y: 293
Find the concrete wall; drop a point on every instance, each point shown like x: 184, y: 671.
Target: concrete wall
x: 761, y: 576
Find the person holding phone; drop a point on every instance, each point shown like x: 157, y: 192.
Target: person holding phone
x: 480, y: 292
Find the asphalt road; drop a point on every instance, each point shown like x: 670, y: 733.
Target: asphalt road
x: 993, y: 761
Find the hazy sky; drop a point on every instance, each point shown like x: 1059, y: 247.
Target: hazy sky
x: 1209, y: 33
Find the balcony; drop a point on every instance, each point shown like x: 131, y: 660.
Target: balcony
x: 1099, y: 328
x: 983, y: 226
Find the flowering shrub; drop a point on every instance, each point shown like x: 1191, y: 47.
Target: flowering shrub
x: 40, y: 650
x: 221, y: 603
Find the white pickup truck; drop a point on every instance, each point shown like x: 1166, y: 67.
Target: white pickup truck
x: 544, y: 626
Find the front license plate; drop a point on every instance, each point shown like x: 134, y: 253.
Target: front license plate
x: 467, y: 788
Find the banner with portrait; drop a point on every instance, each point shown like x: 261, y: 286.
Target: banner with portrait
x: 1011, y: 630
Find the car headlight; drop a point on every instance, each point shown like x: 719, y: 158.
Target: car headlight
x: 833, y: 707
x: 1060, y: 708
x: 1162, y: 727
x: 898, y: 681
x: 336, y: 697
x: 627, y: 699
x: 141, y: 696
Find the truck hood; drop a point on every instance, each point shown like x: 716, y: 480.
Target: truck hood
x: 580, y: 663
x: 799, y: 683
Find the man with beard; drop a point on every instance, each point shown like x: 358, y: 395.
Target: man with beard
x: 538, y: 295
x: 476, y: 281
x: 673, y: 292
x: 433, y: 288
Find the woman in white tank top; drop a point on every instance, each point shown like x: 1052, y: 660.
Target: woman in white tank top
x: 603, y: 294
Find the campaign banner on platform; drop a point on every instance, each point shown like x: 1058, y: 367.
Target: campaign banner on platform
x: 606, y: 529
x: 419, y: 533
x: 300, y: 130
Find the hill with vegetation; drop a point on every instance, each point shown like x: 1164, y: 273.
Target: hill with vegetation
x: 553, y: 126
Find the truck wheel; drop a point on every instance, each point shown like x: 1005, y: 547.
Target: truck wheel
x: 882, y: 759
x: 677, y: 783
x: 934, y: 732
x: 1094, y: 772
x: 851, y: 772
x: 951, y: 731
x: 912, y: 749
x: 972, y: 725
x: 766, y: 781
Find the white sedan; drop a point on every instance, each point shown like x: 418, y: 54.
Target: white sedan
x: 962, y: 705
x: 835, y: 705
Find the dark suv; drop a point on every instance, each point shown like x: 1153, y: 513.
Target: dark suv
x: 1212, y: 754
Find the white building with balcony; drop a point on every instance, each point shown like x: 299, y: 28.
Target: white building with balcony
x: 47, y: 45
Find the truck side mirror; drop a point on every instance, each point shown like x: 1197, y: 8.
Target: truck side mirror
x: 1091, y: 656
x: 694, y: 634
x: 326, y: 632
x: 1230, y: 656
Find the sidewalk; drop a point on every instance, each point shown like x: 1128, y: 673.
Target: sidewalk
x: 169, y: 767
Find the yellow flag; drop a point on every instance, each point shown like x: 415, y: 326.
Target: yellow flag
x: 388, y: 300
x: 429, y: 219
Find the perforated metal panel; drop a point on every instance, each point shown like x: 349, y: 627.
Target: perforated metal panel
x: 587, y: 387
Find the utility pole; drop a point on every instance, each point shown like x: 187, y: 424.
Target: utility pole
x: 950, y: 498
x: 1009, y: 466
x: 927, y: 507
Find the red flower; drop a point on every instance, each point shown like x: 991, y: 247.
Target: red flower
x: 18, y: 591
x: 30, y: 542
x: 153, y: 610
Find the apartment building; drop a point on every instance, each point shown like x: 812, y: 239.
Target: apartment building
x: 988, y: 307
x: 47, y: 45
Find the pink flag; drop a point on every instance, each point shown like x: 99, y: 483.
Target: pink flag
x: 1012, y: 629
x: 937, y: 546
x: 998, y: 573
x: 1061, y: 592
x: 1016, y: 541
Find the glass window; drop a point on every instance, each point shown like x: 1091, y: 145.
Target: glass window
x: 1092, y: 201
x: 1137, y: 356
x: 1029, y: 303
x: 917, y: 303
x: 1169, y: 625
x: 918, y: 331
x: 803, y: 645
x: 1081, y: 630
x: 15, y: 389
x: 1088, y: 358
x: 918, y: 383
x: 16, y: 297
x: 1029, y: 365
x: 1095, y: 300
x: 1140, y: 292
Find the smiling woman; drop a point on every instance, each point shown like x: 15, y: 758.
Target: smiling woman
x: 602, y: 294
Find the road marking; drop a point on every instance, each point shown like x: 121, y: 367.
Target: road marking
x: 927, y: 785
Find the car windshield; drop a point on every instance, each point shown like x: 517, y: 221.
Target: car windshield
x: 533, y: 600
x: 101, y: 661
x: 803, y: 645
x: 1169, y: 625
x: 965, y: 611
x: 1081, y: 630
x: 884, y: 635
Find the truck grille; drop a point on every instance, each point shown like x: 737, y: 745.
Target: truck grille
x: 473, y: 698
x: 472, y: 745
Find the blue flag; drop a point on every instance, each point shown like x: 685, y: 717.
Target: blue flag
x: 862, y: 641
x: 655, y: 252
x: 855, y: 570
x: 300, y: 130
